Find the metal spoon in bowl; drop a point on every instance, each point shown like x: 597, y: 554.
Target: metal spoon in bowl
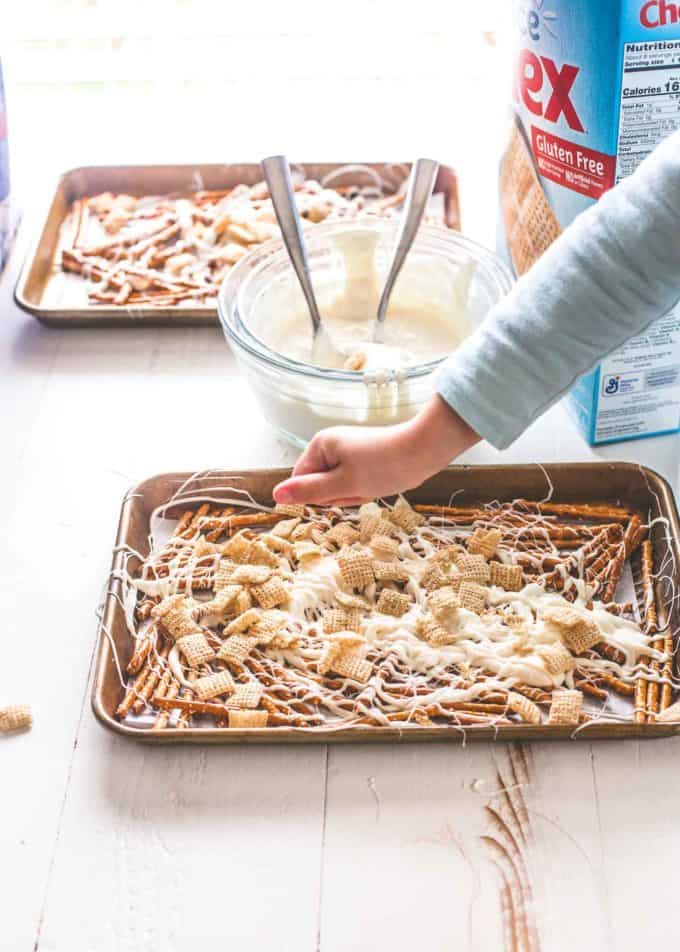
x: 421, y: 183
x: 277, y: 176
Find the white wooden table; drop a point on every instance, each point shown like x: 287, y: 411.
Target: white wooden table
x: 106, y: 846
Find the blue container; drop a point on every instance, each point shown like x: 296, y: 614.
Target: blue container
x: 6, y: 218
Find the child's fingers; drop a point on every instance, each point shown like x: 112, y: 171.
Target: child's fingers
x: 311, y: 461
x: 314, y: 459
x: 314, y: 488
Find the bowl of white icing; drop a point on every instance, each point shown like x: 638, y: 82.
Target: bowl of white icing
x: 446, y: 288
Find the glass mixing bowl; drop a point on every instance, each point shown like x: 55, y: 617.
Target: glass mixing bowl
x: 299, y: 399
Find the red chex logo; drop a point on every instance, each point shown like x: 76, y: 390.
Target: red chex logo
x: 537, y: 75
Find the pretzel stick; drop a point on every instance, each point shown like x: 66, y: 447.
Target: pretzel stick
x: 184, y: 522
x: 134, y: 690
x: 191, y: 706
x: 640, y: 698
x: 659, y: 692
x: 188, y: 530
x: 595, y: 556
x: 123, y: 294
x: 648, y: 594
x: 165, y: 234
x: 279, y: 719
x: 214, y: 535
x: 492, y: 697
x: 652, y: 701
x: 635, y: 533
x: 667, y: 673
x: 631, y: 540
x: 613, y: 573
x: 254, y: 519
x: 157, y: 298
x: 606, y: 541
x: 206, y: 195
x: 74, y: 261
x: 576, y: 510
x: 204, y: 565
x: 573, y: 533
x: 143, y: 278
x: 217, y: 520
x: 619, y: 608
x: 651, y: 625
x: 476, y: 707
x: 609, y: 652
x: 80, y: 211
x: 460, y: 717
x: 107, y: 248
x: 547, y: 546
x: 71, y: 261
x: 621, y: 687
x: 187, y: 695
x: 452, y: 513
x: 162, y: 719
x: 162, y: 296
x: 534, y: 694
x: 156, y: 256
x: 163, y: 686
x: 583, y: 684
x: 140, y: 654
x: 213, y: 708
x: 270, y: 704
x: 151, y: 681
x: 540, y: 563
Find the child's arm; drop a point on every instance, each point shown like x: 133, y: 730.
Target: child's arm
x: 615, y: 269
x: 353, y: 464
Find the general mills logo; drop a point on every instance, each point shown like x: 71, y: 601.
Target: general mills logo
x: 532, y: 18
x: 611, y: 386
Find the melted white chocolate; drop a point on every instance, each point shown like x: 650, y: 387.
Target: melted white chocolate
x: 481, y: 641
x: 426, y: 319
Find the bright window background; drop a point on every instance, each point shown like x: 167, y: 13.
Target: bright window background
x: 107, y: 81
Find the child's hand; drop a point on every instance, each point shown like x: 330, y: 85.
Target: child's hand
x: 350, y: 465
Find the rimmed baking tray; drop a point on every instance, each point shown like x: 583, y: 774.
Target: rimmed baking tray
x: 624, y: 483
x: 61, y: 299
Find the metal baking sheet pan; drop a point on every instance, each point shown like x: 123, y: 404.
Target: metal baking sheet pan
x: 61, y: 299
x: 610, y: 483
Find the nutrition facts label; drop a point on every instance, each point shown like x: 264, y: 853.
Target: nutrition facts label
x: 650, y: 101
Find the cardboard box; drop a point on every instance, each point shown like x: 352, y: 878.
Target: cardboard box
x: 596, y: 87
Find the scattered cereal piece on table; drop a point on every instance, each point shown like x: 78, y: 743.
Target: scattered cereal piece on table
x: 15, y: 717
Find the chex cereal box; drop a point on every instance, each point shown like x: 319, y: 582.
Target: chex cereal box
x: 596, y: 85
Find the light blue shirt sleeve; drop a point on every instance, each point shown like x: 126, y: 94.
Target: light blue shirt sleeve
x: 612, y: 272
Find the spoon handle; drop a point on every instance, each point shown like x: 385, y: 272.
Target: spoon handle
x: 277, y: 175
x: 420, y: 188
